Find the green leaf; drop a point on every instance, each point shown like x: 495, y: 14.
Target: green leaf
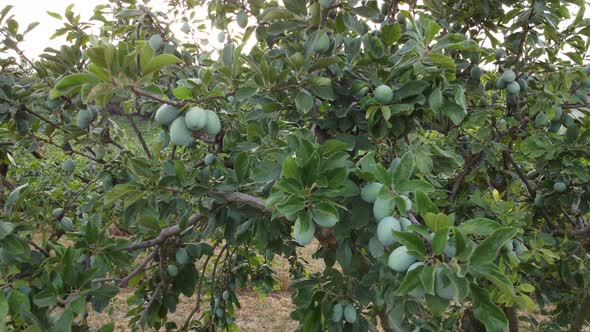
x: 488, y: 249
x: 366, y: 11
x: 440, y: 241
x: 13, y: 198
x: 427, y: 277
x: 71, y: 83
x: 290, y: 169
x: 430, y: 31
x: 304, y: 101
x: 436, y: 305
x: 424, y: 204
x: 65, y: 322
x: 159, y: 62
x: 413, y: 242
x: 325, y: 214
x: 404, y: 170
x: 411, y: 281
x: 296, y: 7
x: 242, y: 165
x: 119, y: 191
x: 479, y: 226
x: 486, y: 311
x: 5, y: 229
x: 182, y: 93
x: 491, y: 272
x: 391, y: 33
x: 413, y: 185
x: 44, y: 298
x: 245, y: 92
x: 3, y: 311
x: 272, y: 14
x: 436, y: 222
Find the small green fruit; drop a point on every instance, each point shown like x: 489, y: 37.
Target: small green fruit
x: 499, y: 53
x: 85, y: 117
x: 407, y: 202
x: 303, y: 237
x: 557, y: 113
x: 164, y: 138
x: 520, y: 248
x: 156, y: 41
x: 383, y: 94
x: 209, y: 159
x: 350, y: 313
x: 400, y: 18
x: 383, y: 208
x: 219, y: 312
x: 370, y: 191
x: 242, y: 19
x: 513, y: 88
x: 539, y: 201
x: 166, y: 114
x: 337, y: 313
x: 180, y: 135
x: 541, y: 120
x: 225, y: 295
x: 213, y: 125
x: 297, y: 59
x: 322, y: 44
x: 69, y: 166
x: 568, y: 121
x: 57, y: 212
x: 450, y: 250
x: 172, y: 270
x: 182, y: 256
x: 523, y: 84
x: 385, y: 228
x: 508, y: 76
x: 400, y: 260
x: 405, y: 223
x: 554, y: 127
x: 196, y: 118
x: 66, y: 224
x: 559, y: 186
x: 500, y: 84
x: 475, y: 73
x: 509, y: 246
x: 221, y: 37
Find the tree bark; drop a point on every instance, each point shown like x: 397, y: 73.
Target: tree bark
x: 512, y: 318
x: 583, y: 315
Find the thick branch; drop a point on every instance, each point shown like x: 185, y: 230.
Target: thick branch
x: 582, y: 316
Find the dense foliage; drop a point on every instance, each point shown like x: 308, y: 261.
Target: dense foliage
x: 437, y: 151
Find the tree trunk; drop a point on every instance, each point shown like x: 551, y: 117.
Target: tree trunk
x: 583, y: 315
x: 469, y: 323
x: 512, y: 318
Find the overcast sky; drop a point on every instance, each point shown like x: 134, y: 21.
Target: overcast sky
x: 28, y: 11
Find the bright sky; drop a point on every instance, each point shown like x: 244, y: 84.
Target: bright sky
x: 28, y: 11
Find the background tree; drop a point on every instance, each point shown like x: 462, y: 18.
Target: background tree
x: 437, y: 151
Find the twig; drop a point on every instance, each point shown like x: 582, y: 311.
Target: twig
x: 123, y: 282
x: 43, y: 251
x: 140, y: 137
x: 469, y: 164
x: 199, y: 291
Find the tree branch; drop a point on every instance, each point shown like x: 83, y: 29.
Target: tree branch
x: 469, y: 165
x: 582, y: 316
x: 140, y: 137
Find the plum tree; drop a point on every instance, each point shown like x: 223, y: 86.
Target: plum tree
x: 405, y: 143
